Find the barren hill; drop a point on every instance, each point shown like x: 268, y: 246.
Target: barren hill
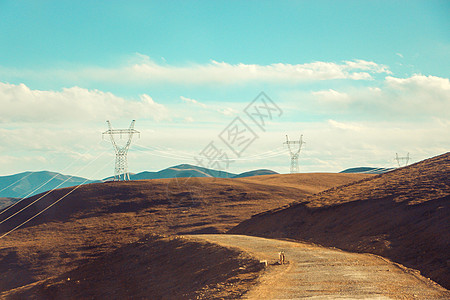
x: 99, y: 218
x: 154, y: 267
x: 403, y: 215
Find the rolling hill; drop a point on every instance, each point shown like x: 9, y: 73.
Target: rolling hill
x: 368, y: 170
x: 28, y: 184
x: 255, y: 173
x: 403, y: 215
x: 99, y: 218
x: 183, y: 170
x: 163, y: 267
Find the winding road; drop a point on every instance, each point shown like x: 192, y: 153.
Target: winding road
x: 315, y: 272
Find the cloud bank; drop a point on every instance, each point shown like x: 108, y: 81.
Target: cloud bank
x: 143, y: 71
x: 22, y: 104
x: 413, y: 98
x: 226, y: 73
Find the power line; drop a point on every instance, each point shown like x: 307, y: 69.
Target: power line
x: 43, y: 184
x: 21, y: 178
x: 51, y: 190
x: 31, y: 218
x: 188, y: 157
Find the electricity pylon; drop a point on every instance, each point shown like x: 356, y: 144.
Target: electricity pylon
x: 405, y: 159
x: 121, y: 169
x: 294, y: 154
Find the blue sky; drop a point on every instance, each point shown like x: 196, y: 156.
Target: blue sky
x: 360, y: 79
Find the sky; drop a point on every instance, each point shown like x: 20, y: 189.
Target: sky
x: 221, y: 83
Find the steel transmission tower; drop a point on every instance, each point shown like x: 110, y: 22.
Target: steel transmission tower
x: 294, y: 154
x: 121, y: 169
x: 405, y: 159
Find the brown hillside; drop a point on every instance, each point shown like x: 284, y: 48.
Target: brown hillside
x: 100, y: 218
x: 403, y: 215
x: 154, y: 267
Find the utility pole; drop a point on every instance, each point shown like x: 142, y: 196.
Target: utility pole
x: 404, y: 159
x: 294, y: 154
x: 121, y: 168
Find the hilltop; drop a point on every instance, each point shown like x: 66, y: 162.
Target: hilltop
x: 27, y: 184
x: 368, y: 170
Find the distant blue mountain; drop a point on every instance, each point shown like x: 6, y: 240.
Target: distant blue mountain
x: 183, y: 170
x: 31, y: 183
x: 256, y: 173
x: 186, y: 170
x: 27, y: 184
x: 367, y: 170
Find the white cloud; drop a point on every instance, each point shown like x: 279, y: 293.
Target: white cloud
x: 331, y: 96
x: 420, y: 82
x: 226, y: 111
x: 226, y: 73
x: 417, y: 96
x: 22, y: 104
x: 369, y: 66
x: 361, y: 76
x: 344, y: 125
x: 412, y: 98
x: 193, y: 101
x: 141, y: 70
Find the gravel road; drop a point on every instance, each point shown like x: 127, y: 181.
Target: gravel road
x: 315, y: 272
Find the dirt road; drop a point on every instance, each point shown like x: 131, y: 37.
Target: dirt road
x: 322, y: 273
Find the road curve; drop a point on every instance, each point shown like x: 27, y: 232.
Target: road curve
x: 316, y: 272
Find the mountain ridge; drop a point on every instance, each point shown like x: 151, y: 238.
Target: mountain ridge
x: 367, y: 170
x: 27, y: 184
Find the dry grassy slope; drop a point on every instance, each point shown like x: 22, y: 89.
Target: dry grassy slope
x: 153, y: 268
x: 403, y: 215
x: 99, y: 218
x: 308, y: 182
x: 176, y: 195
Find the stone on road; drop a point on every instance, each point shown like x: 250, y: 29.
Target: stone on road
x: 315, y: 272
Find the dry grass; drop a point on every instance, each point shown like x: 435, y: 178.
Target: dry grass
x: 98, y: 219
x: 154, y: 267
